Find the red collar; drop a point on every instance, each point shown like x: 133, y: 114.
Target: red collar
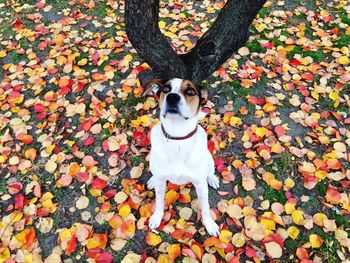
x: 168, y: 136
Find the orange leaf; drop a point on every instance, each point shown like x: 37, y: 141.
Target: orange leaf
x: 197, y: 249
x: 153, y: 239
x: 115, y: 222
x: 73, y: 169
x: 171, y: 196
x: 174, y: 251
x: 333, y: 196
x: 211, y: 241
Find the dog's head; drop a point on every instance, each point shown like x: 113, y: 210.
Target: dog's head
x: 178, y: 98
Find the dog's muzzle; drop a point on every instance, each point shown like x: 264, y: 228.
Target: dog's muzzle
x: 172, y: 100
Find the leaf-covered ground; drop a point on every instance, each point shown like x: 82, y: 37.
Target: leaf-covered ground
x: 74, y: 137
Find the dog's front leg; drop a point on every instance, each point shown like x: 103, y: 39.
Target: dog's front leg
x: 156, y: 218
x: 208, y: 222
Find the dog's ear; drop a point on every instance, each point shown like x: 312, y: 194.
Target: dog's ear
x: 203, y: 95
x: 153, y: 87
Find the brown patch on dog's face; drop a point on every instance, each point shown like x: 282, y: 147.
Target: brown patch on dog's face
x: 165, y: 89
x: 191, y: 94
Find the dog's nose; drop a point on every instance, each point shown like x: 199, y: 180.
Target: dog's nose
x: 172, y: 99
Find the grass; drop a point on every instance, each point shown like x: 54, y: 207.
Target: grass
x: 321, y: 187
x: 254, y: 46
x: 317, y: 56
x: 136, y: 160
x: 274, y: 195
x: 59, y: 193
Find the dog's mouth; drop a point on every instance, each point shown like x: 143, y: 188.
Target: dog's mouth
x: 173, y: 111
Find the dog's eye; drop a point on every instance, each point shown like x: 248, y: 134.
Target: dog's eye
x: 190, y: 92
x: 166, y: 89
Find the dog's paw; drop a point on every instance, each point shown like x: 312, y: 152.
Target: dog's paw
x: 151, y: 183
x: 213, y: 181
x: 212, y: 228
x: 155, y: 220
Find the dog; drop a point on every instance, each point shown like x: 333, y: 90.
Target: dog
x: 179, y: 152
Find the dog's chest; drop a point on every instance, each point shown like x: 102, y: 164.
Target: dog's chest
x: 179, y: 161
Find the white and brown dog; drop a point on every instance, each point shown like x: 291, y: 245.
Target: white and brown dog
x: 179, y: 152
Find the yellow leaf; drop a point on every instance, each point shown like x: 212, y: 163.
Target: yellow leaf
x: 65, y: 234
x: 334, y: 95
x: 318, y: 218
x: 225, y: 236
x: 128, y: 58
x: 315, y: 240
x: 124, y: 210
x: 82, y: 62
x: 321, y: 174
x: 261, y: 132
x: 235, y: 121
x: 2, y: 54
x: 188, y: 43
x: 92, y: 243
x: 344, y: 60
x: 293, y: 232
x: 289, y: 183
x: 298, y: 217
x: 268, y: 223
x: 161, y: 24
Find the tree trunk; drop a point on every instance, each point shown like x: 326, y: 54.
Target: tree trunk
x: 228, y: 33
x: 141, y: 21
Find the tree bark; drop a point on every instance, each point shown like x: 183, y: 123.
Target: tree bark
x: 141, y: 21
x: 228, y: 33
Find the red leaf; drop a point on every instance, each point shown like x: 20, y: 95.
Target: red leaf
x: 257, y: 101
x: 86, y: 125
x: 81, y: 85
x: 250, y: 252
x: 111, y: 193
x: 104, y: 257
x: 88, y: 141
x: 29, y: 240
x: 294, y: 62
x: 91, y: 253
x: 15, y: 188
x: 82, y: 176
x: 65, y: 90
x: 39, y: 107
x: 71, y: 245
x: 98, y: 184
x: 18, y: 24
x: 279, y: 130
x: 211, y: 147
x: 19, y: 201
